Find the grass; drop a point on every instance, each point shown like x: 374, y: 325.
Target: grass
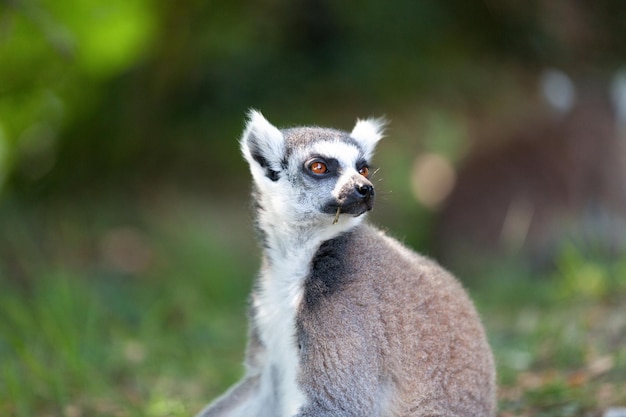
x: 84, y: 331
x: 559, y: 336
x: 108, y: 310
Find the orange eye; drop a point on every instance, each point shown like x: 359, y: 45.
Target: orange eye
x: 318, y: 167
x: 365, y: 171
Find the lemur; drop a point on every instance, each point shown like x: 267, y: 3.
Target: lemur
x: 345, y: 320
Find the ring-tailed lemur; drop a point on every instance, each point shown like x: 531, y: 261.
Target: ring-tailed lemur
x: 344, y: 320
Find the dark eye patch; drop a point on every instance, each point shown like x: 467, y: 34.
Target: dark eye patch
x: 332, y: 166
x: 361, y: 163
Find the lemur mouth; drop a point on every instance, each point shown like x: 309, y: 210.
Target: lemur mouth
x: 355, y: 209
x: 352, y: 212
x: 356, y: 201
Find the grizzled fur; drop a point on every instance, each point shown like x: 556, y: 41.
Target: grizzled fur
x: 344, y: 320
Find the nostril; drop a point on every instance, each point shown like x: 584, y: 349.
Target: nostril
x: 365, y: 190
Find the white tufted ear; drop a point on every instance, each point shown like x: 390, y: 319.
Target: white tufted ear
x: 263, y: 146
x: 368, y: 132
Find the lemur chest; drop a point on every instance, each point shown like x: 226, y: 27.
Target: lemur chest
x: 276, y: 304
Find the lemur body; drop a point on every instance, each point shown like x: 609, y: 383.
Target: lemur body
x: 345, y: 321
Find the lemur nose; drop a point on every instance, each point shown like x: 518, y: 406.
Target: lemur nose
x: 365, y: 190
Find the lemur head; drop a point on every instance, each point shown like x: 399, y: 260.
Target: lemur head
x: 309, y: 175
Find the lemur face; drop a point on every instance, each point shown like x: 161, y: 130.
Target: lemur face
x: 331, y: 172
x: 311, y: 174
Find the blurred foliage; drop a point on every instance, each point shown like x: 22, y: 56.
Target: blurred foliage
x: 110, y: 311
x: 57, y: 59
x: 92, y: 90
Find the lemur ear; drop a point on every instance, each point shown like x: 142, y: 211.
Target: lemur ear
x: 263, y: 146
x: 368, y: 132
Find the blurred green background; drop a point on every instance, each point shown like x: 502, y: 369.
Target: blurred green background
x: 126, y: 244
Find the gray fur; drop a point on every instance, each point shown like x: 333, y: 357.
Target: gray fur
x: 392, y: 329
x: 345, y: 321
x: 305, y: 136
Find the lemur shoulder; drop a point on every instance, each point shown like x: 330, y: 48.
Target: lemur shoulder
x: 345, y: 320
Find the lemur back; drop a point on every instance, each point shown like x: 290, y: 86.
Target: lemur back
x: 344, y: 320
